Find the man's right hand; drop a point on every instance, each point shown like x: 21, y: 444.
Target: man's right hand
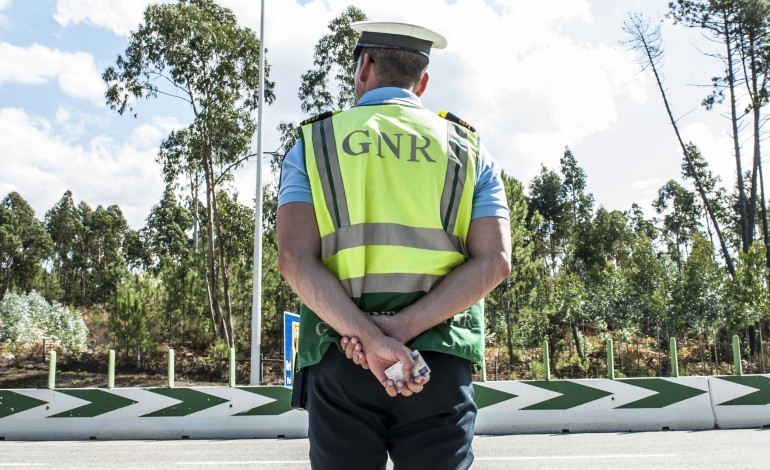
x: 381, y: 354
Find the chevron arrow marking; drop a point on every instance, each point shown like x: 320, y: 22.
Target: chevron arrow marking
x: 280, y: 405
x: 12, y: 403
x: 573, y: 394
x: 192, y: 401
x: 101, y: 402
x: 667, y: 394
x: 760, y: 397
x: 485, y: 396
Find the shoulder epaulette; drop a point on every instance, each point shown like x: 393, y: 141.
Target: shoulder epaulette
x: 454, y: 118
x: 318, y: 117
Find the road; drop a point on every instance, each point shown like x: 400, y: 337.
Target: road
x: 733, y: 449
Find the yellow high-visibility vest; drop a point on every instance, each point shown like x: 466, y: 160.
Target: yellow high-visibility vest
x: 392, y: 189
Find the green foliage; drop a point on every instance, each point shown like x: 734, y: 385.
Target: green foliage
x: 535, y: 371
x: 27, y: 319
x: 131, y: 321
x: 329, y: 85
x: 24, y: 245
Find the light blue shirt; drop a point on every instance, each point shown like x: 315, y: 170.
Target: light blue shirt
x: 488, y: 197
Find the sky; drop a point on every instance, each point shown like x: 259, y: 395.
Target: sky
x: 532, y: 77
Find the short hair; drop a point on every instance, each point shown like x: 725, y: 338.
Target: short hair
x: 396, y: 67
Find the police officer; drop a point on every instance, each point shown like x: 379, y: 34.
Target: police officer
x: 392, y: 227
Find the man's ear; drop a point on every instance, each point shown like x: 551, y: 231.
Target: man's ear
x: 366, y: 68
x: 419, y: 89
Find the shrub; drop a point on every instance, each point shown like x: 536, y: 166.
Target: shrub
x: 27, y: 318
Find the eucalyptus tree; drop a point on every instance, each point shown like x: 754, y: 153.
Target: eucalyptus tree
x: 547, y: 198
x: 24, y: 245
x: 329, y: 84
x: 64, y: 226
x: 166, y: 231
x: 195, y: 53
x: 681, y: 218
x: 511, y: 298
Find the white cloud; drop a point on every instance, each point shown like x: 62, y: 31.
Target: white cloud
x: 76, y: 73
x: 717, y: 148
x: 648, y: 185
x: 41, y: 164
x: 149, y: 136
x: 119, y: 16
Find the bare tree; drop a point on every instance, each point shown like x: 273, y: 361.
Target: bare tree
x: 646, y: 39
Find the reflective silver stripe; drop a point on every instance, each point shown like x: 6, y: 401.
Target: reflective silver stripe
x: 325, y: 149
x: 391, y: 283
x: 390, y: 234
x: 457, y: 170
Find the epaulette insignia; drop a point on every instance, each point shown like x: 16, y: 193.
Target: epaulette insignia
x: 452, y: 117
x: 318, y: 117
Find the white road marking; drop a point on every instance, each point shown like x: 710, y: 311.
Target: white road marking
x: 251, y: 462
x: 477, y: 459
x: 579, y: 457
x: 12, y: 464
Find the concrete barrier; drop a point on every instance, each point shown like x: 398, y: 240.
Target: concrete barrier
x: 154, y: 413
x: 741, y: 401
x: 511, y: 407
x: 648, y: 404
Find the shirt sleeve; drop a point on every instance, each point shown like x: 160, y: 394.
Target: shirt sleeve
x: 489, y: 196
x: 295, y: 183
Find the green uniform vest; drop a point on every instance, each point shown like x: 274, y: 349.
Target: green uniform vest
x: 392, y: 189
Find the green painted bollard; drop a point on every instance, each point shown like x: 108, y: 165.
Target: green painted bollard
x: 232, y: 367
x: 111, y: 370
x: 52, y: 371
x: 546, y: 360
x: 610, y: 361
x: 170, y: 368
x: 674, y: 361
x: 737, y: 355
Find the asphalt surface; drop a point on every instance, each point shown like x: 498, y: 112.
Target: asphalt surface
x: 733, y: 449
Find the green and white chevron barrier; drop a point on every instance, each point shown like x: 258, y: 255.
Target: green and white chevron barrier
x: 741, y: 401
x: 512, y: 407
x: 153, y: 413
x: 557, y: 406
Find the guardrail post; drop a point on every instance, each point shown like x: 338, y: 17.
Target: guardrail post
x: 737, y: 356
x: 52, y: 371
x: 674, y: 360
x: 170, y: 368
x: 232, y: 367
x: 546, y: 360
x: 111, y: 370
x: 610, y: 361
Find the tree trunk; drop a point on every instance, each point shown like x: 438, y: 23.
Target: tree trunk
x: 510, y: 336
x: 212, y: 272
x: 576, y: 337
x: 227, y: 315
x: 745, y: 237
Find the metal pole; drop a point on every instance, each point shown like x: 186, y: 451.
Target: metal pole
x: 546, y: 360
x: 610, y: 361
x: 232, y: 367
x: 52, y: 371
x: 170, y: 368
x: 674, y: 360
x: 737, y: 356
x: 111, y: 370
x: 256, y: 298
